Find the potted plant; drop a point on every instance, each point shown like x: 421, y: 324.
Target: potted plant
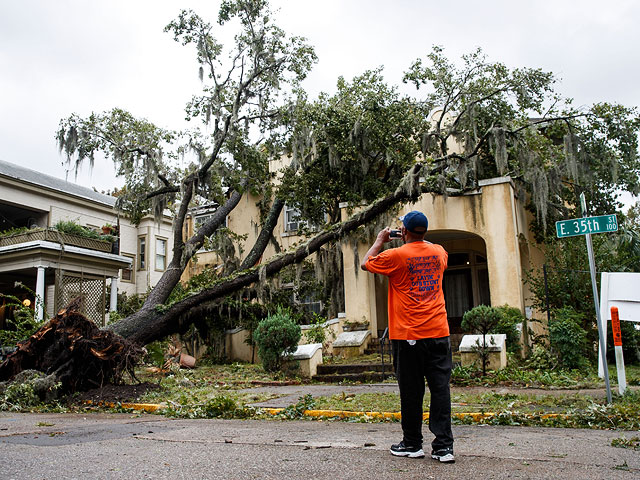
x: 108, y: 229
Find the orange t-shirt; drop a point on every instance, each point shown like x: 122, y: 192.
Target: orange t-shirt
x: 416, y: 300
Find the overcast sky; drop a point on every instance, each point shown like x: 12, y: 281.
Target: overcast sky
x: 59, y: 57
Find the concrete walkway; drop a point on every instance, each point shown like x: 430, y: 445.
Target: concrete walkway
x: 289, y: 394
x: 119, y: 446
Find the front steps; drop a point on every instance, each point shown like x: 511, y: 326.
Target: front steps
x: 354, y: 372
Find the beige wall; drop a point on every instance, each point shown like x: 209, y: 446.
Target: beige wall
x: 149, y: 229
x: 244, y: 220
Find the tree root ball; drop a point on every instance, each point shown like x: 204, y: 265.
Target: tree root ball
x: 74, y: 350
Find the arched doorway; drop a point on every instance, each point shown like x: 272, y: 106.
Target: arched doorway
x: 466, y: 280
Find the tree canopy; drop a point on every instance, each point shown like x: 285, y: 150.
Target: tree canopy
x: 493, y: 121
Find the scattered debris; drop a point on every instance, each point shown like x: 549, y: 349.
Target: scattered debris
x: 177, y: 357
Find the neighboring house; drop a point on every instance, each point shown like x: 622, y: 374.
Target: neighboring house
x: 57, y: 270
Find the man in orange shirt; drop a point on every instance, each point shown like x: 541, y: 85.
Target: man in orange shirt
x: 419, y: 333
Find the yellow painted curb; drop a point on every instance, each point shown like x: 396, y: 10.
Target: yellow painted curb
x: 147, y: 407
x: 475, y: 416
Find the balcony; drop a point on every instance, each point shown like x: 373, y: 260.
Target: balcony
x: 52, y: 235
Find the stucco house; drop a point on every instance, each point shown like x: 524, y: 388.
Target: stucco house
x: 486, y: 233
x: 58, y: 268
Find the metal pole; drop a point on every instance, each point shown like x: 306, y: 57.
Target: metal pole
x: 546, y: 292
x: 596, y: 301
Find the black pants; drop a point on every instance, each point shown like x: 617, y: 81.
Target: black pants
x: 429, y: 358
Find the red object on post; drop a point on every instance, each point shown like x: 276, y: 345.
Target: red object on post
x: 615, y: 327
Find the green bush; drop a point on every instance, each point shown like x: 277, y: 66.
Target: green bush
x: 568, y: 339
x: 483, y: 320
x: 14, y: 231
x: 276, y: 335
x: 316, y: 333
x: 21, y: 324
x: 510, y: 317
x: 540, y: 359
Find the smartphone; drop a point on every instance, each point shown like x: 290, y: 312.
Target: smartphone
x: 395, y: 234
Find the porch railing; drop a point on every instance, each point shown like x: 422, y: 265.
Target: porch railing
x: 53, y: 235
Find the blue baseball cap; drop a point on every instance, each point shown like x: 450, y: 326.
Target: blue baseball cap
x: 415, y: 222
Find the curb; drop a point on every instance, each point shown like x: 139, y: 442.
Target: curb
x: 475, y: 416
x: 147, y: 407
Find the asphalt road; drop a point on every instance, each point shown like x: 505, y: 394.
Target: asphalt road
x: 114, y: 446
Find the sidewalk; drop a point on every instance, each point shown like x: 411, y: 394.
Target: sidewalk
x: 115, y: 446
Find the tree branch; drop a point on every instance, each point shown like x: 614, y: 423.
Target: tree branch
x: 172, y: 274
x: 265, y: 235
x: 162, y: 191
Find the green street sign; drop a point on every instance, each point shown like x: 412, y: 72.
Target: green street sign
x: 583, y: 226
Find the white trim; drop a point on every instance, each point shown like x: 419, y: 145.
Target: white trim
x: 67, y: 249
x: 495, y: 181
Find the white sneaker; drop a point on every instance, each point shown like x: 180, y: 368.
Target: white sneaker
x: 444, y: 456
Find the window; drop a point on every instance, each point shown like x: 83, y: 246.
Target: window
x: 294, y: 222
x: 465, y: 285
x: 142, y: 253
x: 201, y: 219
x: 127, y: 273
x: 309, y: 303
x: 291, y: 219
x: 161, y: 254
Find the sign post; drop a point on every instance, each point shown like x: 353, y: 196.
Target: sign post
x: 586, y: 226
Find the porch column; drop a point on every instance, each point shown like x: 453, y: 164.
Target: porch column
x: 39, y: 306
x: 113, y: 300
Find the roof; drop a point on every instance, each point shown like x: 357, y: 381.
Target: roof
x: 33, y: 177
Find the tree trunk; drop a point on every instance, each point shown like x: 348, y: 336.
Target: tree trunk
x: 253, y: 257
x: 184, y: 251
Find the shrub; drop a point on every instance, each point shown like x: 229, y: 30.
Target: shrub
x: 482, y: 319
x: 276, y: 335
x: 14, y: 231
x: 21, y: 325
x: 510, y: 317
x: 568, y: 339
x: 74, y: 228
x: 540, y: 359
x: 316, y: 333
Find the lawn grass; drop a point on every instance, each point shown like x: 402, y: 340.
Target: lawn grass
x: 200, y: 385
x: 461, y: 403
